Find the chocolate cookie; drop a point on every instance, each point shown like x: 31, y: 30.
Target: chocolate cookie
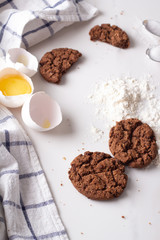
x: 55, y: 63
x: 98, y: 176
x: 133, y: 143
x: 110, y: 34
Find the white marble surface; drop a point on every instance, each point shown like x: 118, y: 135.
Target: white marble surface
x: 85, y: 219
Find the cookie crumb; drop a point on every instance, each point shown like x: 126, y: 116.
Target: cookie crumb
x: 82, y: 233
x: 82, y: 148
x: 61, y: 184
x: 122, y: 216
x: 64, y: 158
x: 150, y: 223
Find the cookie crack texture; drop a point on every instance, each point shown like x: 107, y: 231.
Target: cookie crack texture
x: 55, y: 63
x: 133, y: 143
x: 98, y: 176
x: 110, y: 34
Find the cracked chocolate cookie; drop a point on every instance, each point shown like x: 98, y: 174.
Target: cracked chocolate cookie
x: 133, y: 143
x: 110, y: 34
x: 55, y: 63
x: 98, y: 176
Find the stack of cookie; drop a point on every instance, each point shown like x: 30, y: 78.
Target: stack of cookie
x: 99, y: 176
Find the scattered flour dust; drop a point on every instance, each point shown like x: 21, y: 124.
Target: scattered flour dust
x: 126, y: 97
x: 98, y: 133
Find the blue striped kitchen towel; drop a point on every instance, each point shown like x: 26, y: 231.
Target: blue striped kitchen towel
x: 27, y: 209
x: 25, y: 23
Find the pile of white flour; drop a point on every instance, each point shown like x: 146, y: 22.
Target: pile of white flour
x: 127, y: 97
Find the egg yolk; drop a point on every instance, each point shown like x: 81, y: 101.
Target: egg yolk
x: 46, y: 124
x: 11, y: 85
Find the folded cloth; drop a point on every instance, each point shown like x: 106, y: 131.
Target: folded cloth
x: 27, y: 209
x: 25, y: 23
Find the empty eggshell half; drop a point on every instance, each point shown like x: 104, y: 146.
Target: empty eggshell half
x: 40, y: 112
x: 14, y: 94
x: 22, y: 60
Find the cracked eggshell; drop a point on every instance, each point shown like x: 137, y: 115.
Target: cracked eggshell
x: 17, y: 100
x: 2, y: 63
x: 40, y: 112
x: 22, y: 60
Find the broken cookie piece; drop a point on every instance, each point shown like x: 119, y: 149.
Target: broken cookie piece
x: 56, y: 62
x: 110, y: 34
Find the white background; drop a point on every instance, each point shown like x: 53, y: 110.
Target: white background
x: 86, y: 219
